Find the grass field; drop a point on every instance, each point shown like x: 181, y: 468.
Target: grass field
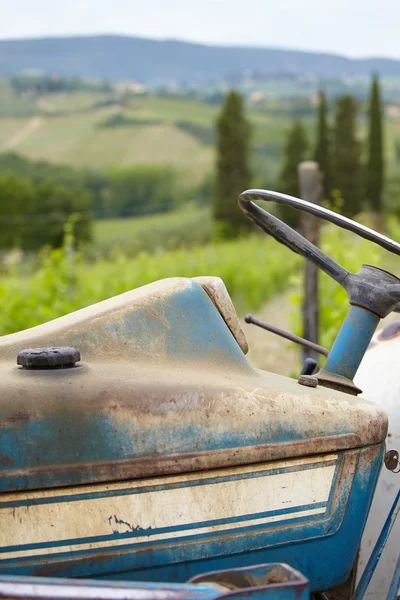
x: 77, y: 136
x: 78, y: 139
x: 187, y: 227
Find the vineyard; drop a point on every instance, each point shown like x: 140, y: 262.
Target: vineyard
x: 254, y: 270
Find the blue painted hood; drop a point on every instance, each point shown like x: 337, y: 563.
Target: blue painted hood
x: 162, y: 387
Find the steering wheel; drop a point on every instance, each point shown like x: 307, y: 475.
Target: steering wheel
x: 371, y: 288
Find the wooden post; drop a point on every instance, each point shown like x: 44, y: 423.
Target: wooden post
x: 310, y: 182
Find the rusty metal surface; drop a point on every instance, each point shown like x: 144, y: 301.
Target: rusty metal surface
x: 154, y: 395
x: 260, y: 578
x: 273, y: 580
x: 337, y: 382
x: 62, y: 521
x: 392, y: 461
x: 216, y: 289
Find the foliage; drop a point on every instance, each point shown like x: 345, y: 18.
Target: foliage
x: 93, y: 182
x: 294, y: 152
x: 351, y: 252
x: 346, y: 156
x: 233, y: 171
x: 33, y: 214
x: 375, y: 166
x: 322, y: 153
x: 144, y: 189
x: 63, y: 282
x: 391, y: 194
x: 141, y: 190
x: 45, y: 84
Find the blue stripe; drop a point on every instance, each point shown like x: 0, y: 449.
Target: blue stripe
x: 334, y: 485
x: 163, y: 487
x: 200, y: 538
x: 150, y: 532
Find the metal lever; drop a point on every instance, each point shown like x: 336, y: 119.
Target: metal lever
x: 287, y: 335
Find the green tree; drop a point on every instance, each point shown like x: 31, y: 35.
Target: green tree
x: 346, y: 156
x: 322, y: 153
x: 375, y: 166
x: 34, y: 214
x: 233, y: 171
x: 142, y: 190
x: 294, y: 152
x: 54, y: 205
x: 17, y: 197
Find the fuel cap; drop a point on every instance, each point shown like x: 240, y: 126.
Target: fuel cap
x: 48, y: 358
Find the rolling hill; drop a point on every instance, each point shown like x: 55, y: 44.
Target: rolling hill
x: 114, y: 58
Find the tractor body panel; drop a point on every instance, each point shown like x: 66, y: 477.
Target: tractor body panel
x: 164, y: 454
x: 378, y: 375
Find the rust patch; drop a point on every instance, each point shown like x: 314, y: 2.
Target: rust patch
x: 140, y: 468
x: 18, y: 418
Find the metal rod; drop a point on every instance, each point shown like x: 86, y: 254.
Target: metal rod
x: 377, y: 551
x: 351, y: 342
x: 395, y: 584
x: 285, y: 334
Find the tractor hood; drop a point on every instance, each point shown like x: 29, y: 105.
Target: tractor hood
x: 163, y: 386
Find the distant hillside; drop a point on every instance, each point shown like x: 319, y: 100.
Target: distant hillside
x: 150, y: 61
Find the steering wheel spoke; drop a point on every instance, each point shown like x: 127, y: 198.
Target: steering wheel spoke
x: 371, y: 288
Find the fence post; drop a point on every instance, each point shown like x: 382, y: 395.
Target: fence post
x: 310, y: 183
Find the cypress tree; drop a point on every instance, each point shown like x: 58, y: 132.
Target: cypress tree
x: 322, y: 149
x: 346, y: 156
x: 375, y: 167
x: 233, y: 171
x: 294, y: 152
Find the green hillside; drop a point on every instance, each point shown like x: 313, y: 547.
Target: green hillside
x: 73, y: 129
x: 100, y: 130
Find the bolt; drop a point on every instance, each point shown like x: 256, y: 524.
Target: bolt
x: 392, y: 460
x: 308, y: 380
x: 48, y: 358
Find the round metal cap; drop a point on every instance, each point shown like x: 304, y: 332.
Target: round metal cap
x: 48, y: 358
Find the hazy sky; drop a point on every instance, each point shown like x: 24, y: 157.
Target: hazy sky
x: 350, y: 27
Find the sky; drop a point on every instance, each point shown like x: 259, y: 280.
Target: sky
x: 355, y: 28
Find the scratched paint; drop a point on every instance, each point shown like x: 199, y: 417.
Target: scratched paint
x: 164, y: 509
x: 163, y: 384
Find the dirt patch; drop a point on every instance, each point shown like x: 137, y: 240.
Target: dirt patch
x: 33, y: 125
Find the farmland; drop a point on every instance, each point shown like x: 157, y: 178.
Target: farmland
x: 101, y: 131
x: 81, y: 129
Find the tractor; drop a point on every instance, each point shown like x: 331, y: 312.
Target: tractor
x: 142, y: 456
